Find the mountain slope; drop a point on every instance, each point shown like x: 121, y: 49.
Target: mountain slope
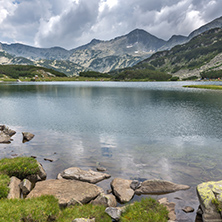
x: 97, y: 55
x: 179, y: 39
x: 201, y: 53
x: 120, y: 52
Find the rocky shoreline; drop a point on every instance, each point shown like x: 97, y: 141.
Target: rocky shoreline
x: 76, y: 186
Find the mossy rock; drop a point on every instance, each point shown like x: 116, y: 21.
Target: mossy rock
x: 207, y: 193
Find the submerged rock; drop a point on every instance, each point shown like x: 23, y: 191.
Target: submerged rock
x: 159, y: 187
x: 100, y: 169
x: 207, y: 192
x: 121, y: 189
x: 68, y: 192
x: 75, y: 173
x: 27, y: 136
x: 170, y: 207
x: 135, y: 184
x: 188, y: 209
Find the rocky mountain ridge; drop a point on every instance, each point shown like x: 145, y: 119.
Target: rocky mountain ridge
x: 202, y: 53
x: 102, y: 56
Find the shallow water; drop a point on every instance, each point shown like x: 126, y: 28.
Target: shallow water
x: 136, y: 130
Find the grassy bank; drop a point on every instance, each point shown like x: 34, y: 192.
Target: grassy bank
x: 216, y: 87
x: 46, y: 208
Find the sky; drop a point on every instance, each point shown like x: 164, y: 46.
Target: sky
x: 72, y: 23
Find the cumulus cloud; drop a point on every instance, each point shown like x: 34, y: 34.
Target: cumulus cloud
x: 71, y: 23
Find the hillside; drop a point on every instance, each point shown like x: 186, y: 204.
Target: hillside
x: 27, y: 71
x: 202, y: 53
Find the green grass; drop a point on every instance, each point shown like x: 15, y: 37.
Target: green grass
x: 205, y: 87
x: 35, y: 209
x: 147, y: 210
x: 86, y: 211
x: 19, y: 167
x: 4, y: 182
x: 46, y: 207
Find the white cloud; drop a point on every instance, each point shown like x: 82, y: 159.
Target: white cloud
x: 71, y: 23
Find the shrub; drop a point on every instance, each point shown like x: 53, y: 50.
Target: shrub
x: 174, y: 78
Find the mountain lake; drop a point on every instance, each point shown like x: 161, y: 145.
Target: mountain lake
x: 137, y: 130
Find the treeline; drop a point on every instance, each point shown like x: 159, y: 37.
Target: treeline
x: 214, y: 74
x: 145, y: 74
x: 139, y: 72
x: 93, y: 74
x: 16, y: 71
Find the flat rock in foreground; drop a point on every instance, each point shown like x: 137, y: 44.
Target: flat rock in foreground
x: 75, y: 173
x: 159, y: 187
x: 68, y: 192
x: 121, y: 189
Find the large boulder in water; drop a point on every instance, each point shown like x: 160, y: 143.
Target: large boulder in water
x: 208, y: 192
x: 27, y: 136
x: 75, y: 173
x: 122, y: 190
x: 159, y: 187
x: 68, y: 192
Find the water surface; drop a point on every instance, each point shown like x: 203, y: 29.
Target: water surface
x: 136, y: 130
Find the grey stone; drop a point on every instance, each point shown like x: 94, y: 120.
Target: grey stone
x: 101, y: 169
x: 113, y: 212
x: 5, y: 130
x: 4, y: 138
x: 68, y: 192
x: 75, y: 173
x: 135, y: 184
x: 27, y: 136
x: 107, y: 200
x: 59, y: 177
x: 121, y: 189
x: 14, y: 189
x: 41, y: 175
x: 188, y: 209
x: 25, y: 186
x: 159, y: 187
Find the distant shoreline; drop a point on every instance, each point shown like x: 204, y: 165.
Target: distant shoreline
x: 213, y: 87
